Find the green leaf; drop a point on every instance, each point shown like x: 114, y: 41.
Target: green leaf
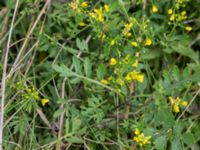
x: 58, y: 112
x: 87, y: 67
x: 101, y: 71
x: 188, y: 138
x: 77, y: 65
x: 176, y: 144
x: 74, y: 139
x: 150, y: 54
x: 185, y: 51
x: 82, y: 45
x: 76, y: 124
x: 165, y: 118
x: 63, y: 70
x: 160, y: 142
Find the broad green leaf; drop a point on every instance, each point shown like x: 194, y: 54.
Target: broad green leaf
x: 188, y: 138
x: 165, y: 118
x: 186, y: 51
x: 176, y: 144
x: 160, y: 142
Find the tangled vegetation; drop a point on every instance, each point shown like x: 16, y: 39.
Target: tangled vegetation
x: 100, y: 74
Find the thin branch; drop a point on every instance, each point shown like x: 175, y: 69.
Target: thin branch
x: 3, y: 82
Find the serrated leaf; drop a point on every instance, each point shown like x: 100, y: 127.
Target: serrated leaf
x: 77, y: 65
x: 87, y: 67
x: 185, y: 51
x: 165, y: 118
x: 101, y: 71
x: 160, y: 143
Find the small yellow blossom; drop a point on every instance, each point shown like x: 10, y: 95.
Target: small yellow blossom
x: 137, y: 131
x: 112, y: 42
x: 110, y: 78
x: 140, y: 138
x: 170, y: 11
x: 103, y: 81
x: 176, y: 108
x: 44, y: 101
x: 126, y: 30
x: 175, y: 102
x: 120, y: 81
x: 106, y: 7
x: 135, y: 64
x: 127, y: 59
x: 148, y: 42
x: 135, y: 76
x: 84, y: 4
x: 188, y: 28
x: 113, y: 61
x: 82, y: 24
x: 184, y: 103
x: 154, y: 9
x: 172, y: 17
x: 135, y: 44
x: 97, y: 14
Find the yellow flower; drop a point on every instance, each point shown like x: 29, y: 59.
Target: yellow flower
x: 106, y: 7
x: 135, y: 64
x: 120, y: 81
x: 84, y: 4
x: 103, y: 81
x: 126, y: 30
x: 137, y: 131
x: 172, y: 17
x: 113, y: 61
x: 110, y: 78
x: 44, y: 101
x: 112, y: 42
x: 154, y: 9
x: 188, y: 28
x: 148, y: 42
x: 97, y: 14
x: 74, y: 4
x: 127, y: 59
x: 135, y: 44
x: 170, y: 11
x: 184, y: 103
x: 141, y: 139
x: 135, y: 76
x: 176, y: 108
x: 82, y: 24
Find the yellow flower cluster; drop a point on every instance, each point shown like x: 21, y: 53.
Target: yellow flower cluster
x: 127, y: 28
x: 97, y: 14
x: 134, y: 75
x: 76, y: 5
x: 31, y: 93
x: 140, y: 138
x: 176, y: 102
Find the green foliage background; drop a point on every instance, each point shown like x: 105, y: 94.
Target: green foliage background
x: 64, y: 62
